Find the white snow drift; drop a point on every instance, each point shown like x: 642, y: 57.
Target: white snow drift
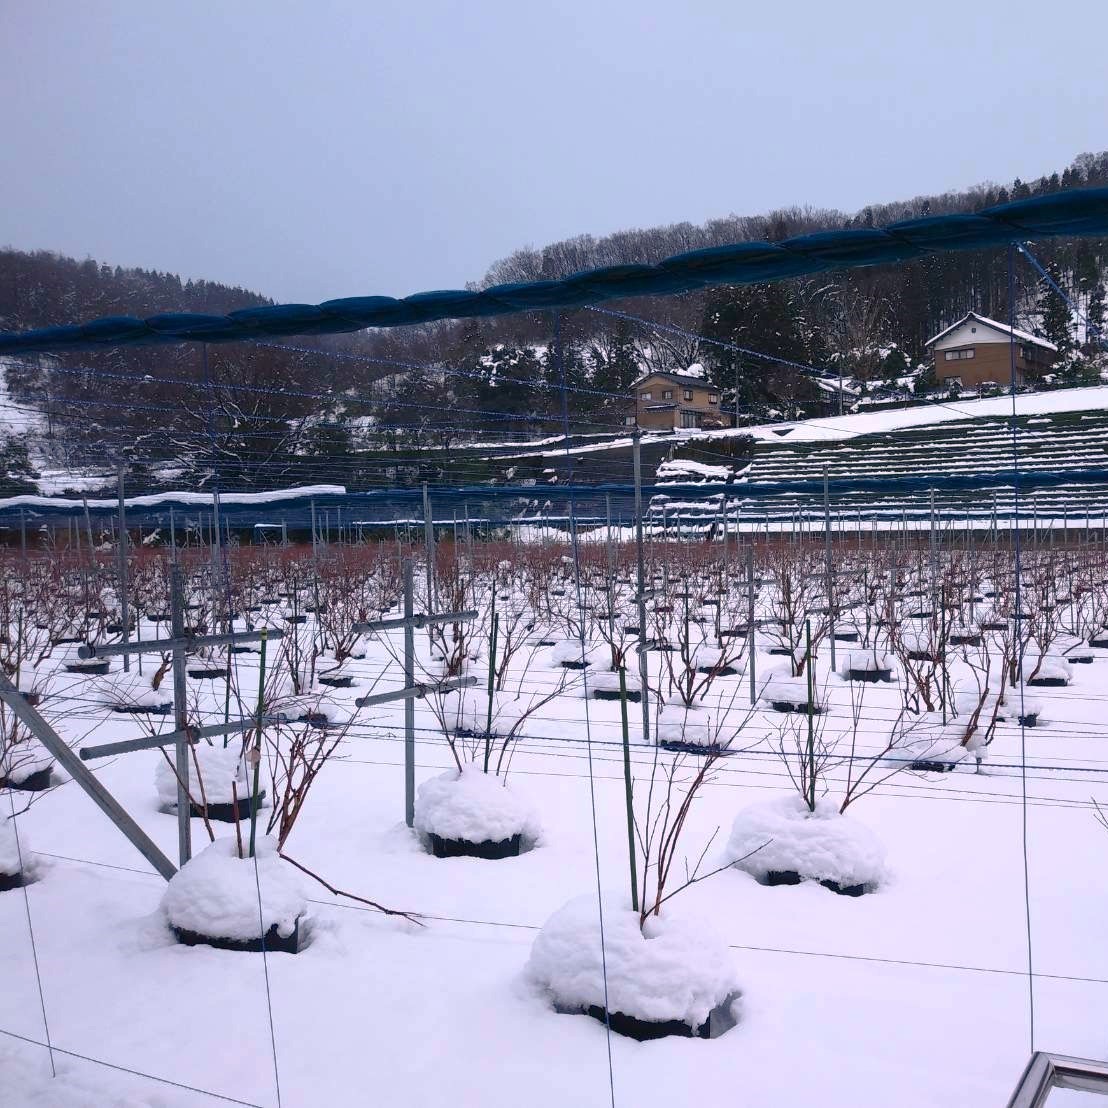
x: 783, y: 835
x: 669, y: 970
x: 473, y: 806
x: 216, y: 894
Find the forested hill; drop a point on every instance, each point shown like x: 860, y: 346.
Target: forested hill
x: 260, y: 414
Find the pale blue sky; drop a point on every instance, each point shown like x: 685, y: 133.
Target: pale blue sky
x: 333, y: 148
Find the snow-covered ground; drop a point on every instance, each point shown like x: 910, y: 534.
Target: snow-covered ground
x: 916, y: 994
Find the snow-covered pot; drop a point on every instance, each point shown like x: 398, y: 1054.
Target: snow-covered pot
x: 570, y: 654
x: 27, y: 767
x: 866, y: 665
x: 131, y: 694
x: 781, y: 842
x: 605, y: 686
x: 16, y: 861
x: 790, y: 694
x: 474, y: 814
x: 466, y: 713
x: 219, y: 899
x: 670, y: 977
x: 223, y: 784
x: 686, y: 729
x: 1052, y: 673
x: 710, y: 659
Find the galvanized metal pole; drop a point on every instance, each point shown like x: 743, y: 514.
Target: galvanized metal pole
x: 409, y: 705
x: 429, y: 547
x: 180, y: 713
x: 830, y: 567
x: 640, y: 569
x: 750, y: 621
x: 124, y: 609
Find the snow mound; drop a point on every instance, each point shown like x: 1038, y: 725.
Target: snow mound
x: 607, y: 680
x: 24, y: 759
x: 865, y: 661
x: 132, y: 691
x: 569, y: 652
x: 220, y: 768
x: 680, y: 724
x: 670, y: 970
x: 789, y: 690
x: 216, y: 893
x: 821, y: 845
x: 468, y: 710
x: 474, y: 806
x: 10, y: 851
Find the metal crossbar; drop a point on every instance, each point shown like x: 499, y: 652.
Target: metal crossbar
x: 183, y: 642
x: 417, y: 621
x: 1058, y: 1071
x: 416, y: 692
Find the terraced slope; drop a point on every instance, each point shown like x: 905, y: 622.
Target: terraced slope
x: 962, y: 449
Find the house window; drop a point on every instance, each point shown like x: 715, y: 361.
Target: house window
x: 667, y: 394
x: 645, y: 395
x: 687, y: 394
x: 959, y: 355
x: 629, y: 421
x: 713, y: 398
x: 688, y: 419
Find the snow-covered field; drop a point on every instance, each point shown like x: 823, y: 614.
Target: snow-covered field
x: 916, y: 993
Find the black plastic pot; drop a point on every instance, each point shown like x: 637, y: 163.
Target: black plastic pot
x: 634, y: 696
x: 678, y: 746
x: 228, y: 813
x: 336, y: 680
x: 11, y: 881
x: 723, y: 671
x: 576, y: 665
x: 995, y: 625
x: 37, y: 782
x: 296, y: 619
x: 463, y: 848
x: 791, y: 706
x: 208, y: 673
x: 314, y: 719
x: 846, y: 636
x: 143, y: 710
x: 968, y: 638
x: 64, y: 640
x: 925, y: 765
x: 630, y: 629
x: 91, y: 669
x: 719, y: 1020
x: 1080, y: 659
x: 271, y: 942
x: 924, y: 656
x: 1048, y: 683
x: 1100, y: 641
x: 871, y: 675
x: 791, y: 877
x: 1031, y: 719
x: 780, y: 651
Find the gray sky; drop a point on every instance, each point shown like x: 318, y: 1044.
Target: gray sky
x: 317, y: 148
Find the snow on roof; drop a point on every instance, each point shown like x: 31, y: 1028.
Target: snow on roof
x: 1003, y: 328
x: 695, y: 372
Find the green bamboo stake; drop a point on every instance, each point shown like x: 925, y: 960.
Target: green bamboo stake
x: 628, y: 790
x: 257, y: 751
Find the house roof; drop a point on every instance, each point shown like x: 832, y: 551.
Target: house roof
x: 1003, y: 328
x: 684, y: 378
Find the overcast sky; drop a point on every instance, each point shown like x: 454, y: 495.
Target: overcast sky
x: 317, y: 148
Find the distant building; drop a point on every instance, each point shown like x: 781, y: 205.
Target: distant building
x: 673, y: 401
x: 976, y: 351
